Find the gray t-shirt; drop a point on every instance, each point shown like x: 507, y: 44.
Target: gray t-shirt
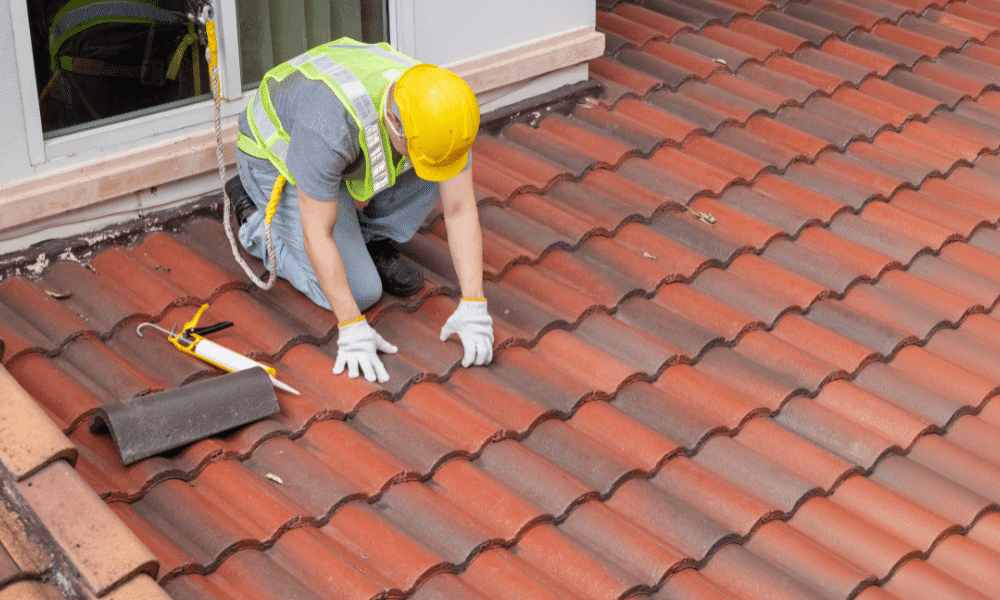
x: 324, y: 137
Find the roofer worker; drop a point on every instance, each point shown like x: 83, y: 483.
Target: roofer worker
x: 343, y: 123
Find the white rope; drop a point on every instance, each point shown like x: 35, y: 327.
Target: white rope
x: 226, y: 203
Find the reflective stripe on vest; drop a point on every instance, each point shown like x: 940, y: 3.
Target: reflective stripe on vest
x: 274, y: 138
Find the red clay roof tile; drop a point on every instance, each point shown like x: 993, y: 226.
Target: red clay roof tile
x: 629, y: 337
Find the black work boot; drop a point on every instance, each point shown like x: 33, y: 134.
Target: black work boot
x: 399, y: 277
x: 243, y: 206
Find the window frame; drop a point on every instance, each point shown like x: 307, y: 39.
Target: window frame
x: 156, y: 127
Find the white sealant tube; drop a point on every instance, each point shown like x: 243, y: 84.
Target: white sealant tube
x: 232, y: 360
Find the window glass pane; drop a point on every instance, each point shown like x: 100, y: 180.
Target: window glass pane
x: 273, y: 31
x: 97, y: 62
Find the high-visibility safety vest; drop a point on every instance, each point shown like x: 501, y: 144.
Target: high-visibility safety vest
x: 358, y: 75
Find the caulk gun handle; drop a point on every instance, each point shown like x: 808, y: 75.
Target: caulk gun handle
x: 203, y: 331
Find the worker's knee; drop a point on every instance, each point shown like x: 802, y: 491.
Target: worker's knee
x: 367, y: 289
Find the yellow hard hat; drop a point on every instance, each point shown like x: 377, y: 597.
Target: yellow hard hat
x: 440, y: 120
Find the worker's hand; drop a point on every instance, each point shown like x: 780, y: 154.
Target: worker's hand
x: 357, y: 343
x: 475, y: 328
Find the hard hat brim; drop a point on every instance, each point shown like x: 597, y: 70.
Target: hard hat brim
x: 430, y: 172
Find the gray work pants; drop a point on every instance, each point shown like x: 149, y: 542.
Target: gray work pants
x: 395, y: 213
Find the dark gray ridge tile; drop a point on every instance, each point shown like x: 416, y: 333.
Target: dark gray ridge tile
x: 747, y: 376
x: 667, y: 517
x: 689, y: 338
x: 821, y: 18
x: 749, y: 299
x: 661, y: 412
x: 873, y: 237
x: 765, y: 209
x: 925, y: 27
x: 851, y: 193
x: 834, y: 433
x: 733, y: 106
x: 782, y: 84
x: 432, y: 521
x: 825, y: 271
x: 847, y: 116
x: 633, y: 346
x: 883, y: 7
x: 577, y: 454
x: 884, y: 381
x: 981, y: 70
x: 670, y: 185
x: 739, y: 139
x: 712, y: 50
x: 670, y: 74
x: 405, y: 438
x: 802, y: 28
x: 925, y: 87
x: 762, y: 478
x: 835, y: 65
x: 980, y: 290
x: 897, y: 52
x: 935, y: 492
x: 688, y: 109
x: 693, y: 234
x: 835, y: 132
x: 527, y: 474
x: 869, y: 332
x: 681, y: 12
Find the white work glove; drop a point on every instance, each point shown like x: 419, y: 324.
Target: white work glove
x: 475, y: 328
x: 356, y: 346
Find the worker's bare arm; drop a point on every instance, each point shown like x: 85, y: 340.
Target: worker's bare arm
x: 465, y: 238
x: 318, y: 221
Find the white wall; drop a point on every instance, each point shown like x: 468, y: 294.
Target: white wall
x: 445, y: 32
x: 14, y: 163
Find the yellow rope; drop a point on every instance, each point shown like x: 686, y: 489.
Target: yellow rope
x: 272, y: 205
